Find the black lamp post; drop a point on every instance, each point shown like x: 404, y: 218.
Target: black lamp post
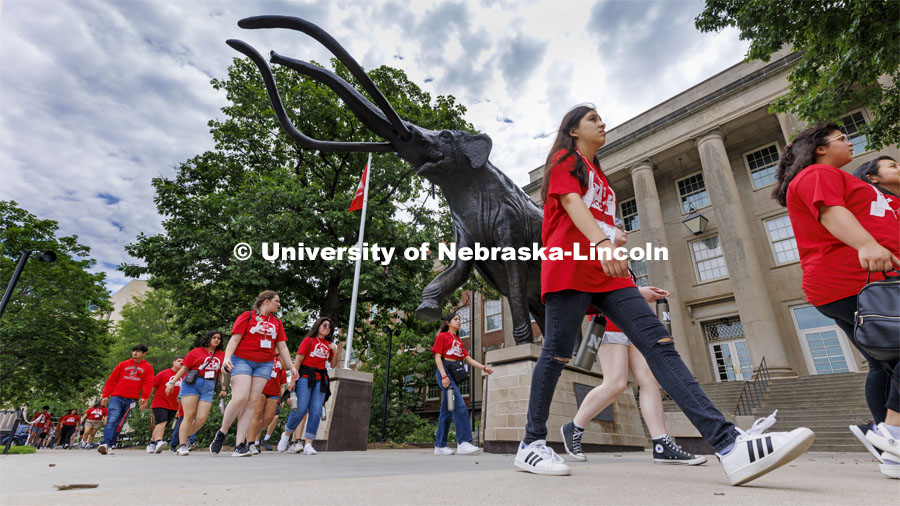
x: 47, y: 256
x: 695, y: 222
x: 387, y: 330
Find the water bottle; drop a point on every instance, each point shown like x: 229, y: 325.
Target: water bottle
x: 451, y: 400
x: 590, y: 343
x: 662, y: 312
x: 221, y: 404
x: 293, y: 400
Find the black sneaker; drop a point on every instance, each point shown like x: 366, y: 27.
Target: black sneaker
x: 572, y: 441
x: 241, y: 450
x: 665, y: 451
x: 860, y: 432
x: 216, y: 446
x: 266, y: 446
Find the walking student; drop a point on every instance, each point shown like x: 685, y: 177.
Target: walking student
x: 847, y: 232
x: 267, y: 404
x: 93, y: 421
x: 882, y: 173
x: 449, y: 351
x: 128, y: 385
x: 197, y: 378
x: 256, y: 338
x: 38, y: 423
x: 311, y: 386
x: 164, y: 406
x: 579, y: 208
x: 66, y: 428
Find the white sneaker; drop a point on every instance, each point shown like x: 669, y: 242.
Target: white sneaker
x: 884, y: 441
x: 160, y: 446
x: 466, y: 449
x: 103, y: 449
x: 254, y: 449
x: 860, y: 432
x: 296, y: 447
x: 443, y: 451
x: 183, y: 451
x: 284, y: 442
x: 538, y: 458
x: 151, y: 448
x: 891, y: 466
x: 756, y: 454
x: 309, y: 450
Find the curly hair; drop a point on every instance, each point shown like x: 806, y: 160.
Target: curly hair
x: 798, y: 155
x: 205, y: 341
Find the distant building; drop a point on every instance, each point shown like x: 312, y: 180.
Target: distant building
x: 134, y: 288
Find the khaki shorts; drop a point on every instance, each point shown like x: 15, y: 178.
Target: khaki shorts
x: 615, y: 338
x: 93, y: 424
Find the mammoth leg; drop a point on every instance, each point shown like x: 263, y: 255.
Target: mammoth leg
x: 444, y: 284
x: 518, y: 302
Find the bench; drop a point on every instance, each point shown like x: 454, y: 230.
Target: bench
x: 9, y: 424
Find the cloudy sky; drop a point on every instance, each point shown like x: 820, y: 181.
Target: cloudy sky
x: 98, y: 97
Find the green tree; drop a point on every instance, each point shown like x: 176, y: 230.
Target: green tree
x: 149, y: 319
x: 847, y: 47
x: 51, y: 341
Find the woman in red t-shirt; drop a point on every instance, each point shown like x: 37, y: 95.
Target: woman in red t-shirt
x: 449, y: 348
x: 579, y: 210
x: 846, y: 231
x: 266, y: 404
x: 318, y: 347
x: 67, y: 425
x: 93, y: 420
x: 195, y: 400
x: 256, y: 339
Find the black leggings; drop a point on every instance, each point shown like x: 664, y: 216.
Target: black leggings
x: 881, y: 393
x: 66, y: 435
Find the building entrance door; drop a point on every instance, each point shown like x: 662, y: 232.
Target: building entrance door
x: 728, y: 349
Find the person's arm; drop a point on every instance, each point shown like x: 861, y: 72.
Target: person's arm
x: 229, y: 351
x: 174, y: 379
x: 438, y: 360
x: 110, y: 385
x: 586, y: 224
x: 336, y: 352
x: 146, y: 384
x: 285, y: 357
x: 652, y: 293
x: 841, y: 223
x: 474, y: 363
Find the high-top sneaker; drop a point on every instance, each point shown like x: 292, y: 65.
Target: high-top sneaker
x: 665, y: 451
x: 572, y: 441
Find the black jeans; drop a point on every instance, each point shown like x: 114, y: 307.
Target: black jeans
x: 881, y: 393
x: 630, y: 312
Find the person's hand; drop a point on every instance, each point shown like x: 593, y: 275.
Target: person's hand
x: 104, y: 401
x: 874, y: 257
x: 143, y: 404
x: 169, y: 387
x: 652, y: 293
x: 290, y: 385
x: 445, y: 381
x: 615, y: 268
x: 295, y: 374
x: 222, y: 393
x: 227, y: 364
x: 488, y: 369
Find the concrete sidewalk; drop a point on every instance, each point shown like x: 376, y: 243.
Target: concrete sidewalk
x: 419, y: 477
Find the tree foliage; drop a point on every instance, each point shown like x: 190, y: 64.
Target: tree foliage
x: 149, y: 319
x: 847, y: 47
x: 50, y: 339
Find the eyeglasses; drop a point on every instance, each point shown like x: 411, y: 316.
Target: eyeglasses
x: 842, y: 137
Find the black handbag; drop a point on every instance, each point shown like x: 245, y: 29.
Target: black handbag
x: 876, y: 327
x: 191, y: 377
x: 457, y: 370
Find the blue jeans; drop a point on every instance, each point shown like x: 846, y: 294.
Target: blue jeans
x: 631, y: 313
x: 175, y: 440
x: 460, y: 416
x: 242, y: 366
x: 119, y: 408
x: 308, y: 399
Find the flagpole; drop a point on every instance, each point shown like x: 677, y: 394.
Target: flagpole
x: 359, y: 245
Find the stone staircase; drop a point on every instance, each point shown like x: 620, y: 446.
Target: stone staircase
x: 826, y: 403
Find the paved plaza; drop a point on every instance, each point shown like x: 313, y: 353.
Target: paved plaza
x: 418, y: 477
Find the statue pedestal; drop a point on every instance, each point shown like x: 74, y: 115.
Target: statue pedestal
x: 346, y: 412
x: 505, y: 406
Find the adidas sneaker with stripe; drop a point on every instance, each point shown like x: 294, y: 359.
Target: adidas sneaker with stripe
x: 538, y: 458
x: 756, y: 453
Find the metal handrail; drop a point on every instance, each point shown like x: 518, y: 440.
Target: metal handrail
x: 754, y: 392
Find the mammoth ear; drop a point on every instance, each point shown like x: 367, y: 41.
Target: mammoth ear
x: 477, y: 148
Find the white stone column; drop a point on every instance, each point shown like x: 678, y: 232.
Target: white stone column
x: 653, y: 229
x: 790, y: 125
x: 744, y: 268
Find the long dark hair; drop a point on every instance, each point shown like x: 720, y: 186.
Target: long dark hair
x: 870, y: 168
x: 566, y: 143
x: 204, y: 341
x: 314, y: 330
x: 798, y: 155
x: 446, y: 325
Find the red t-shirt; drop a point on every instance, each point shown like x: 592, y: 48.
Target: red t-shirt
x: 160, y: 399
x: 831, y: 269
x: 200, y: 357
x: 97, y: 413
x: 130, y: 380
x: 259, y: 336
x: 70, y: 420
x: 558, y: 231
x: 42, y: 419
x: 449, y: 346
x: 316, y: 352
x: 276, y: 379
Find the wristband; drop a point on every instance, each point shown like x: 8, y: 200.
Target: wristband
x: 443, y: 377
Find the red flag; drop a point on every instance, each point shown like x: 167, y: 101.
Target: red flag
x: 357, y: 203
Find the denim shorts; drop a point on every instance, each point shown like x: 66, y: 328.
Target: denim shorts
x: 250, y: 368
x: 615, y: 338
x: 203, y: 388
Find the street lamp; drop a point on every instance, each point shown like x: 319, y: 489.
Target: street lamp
x: 387, y: 330
x: 695, y: 222
x: 46, y: 256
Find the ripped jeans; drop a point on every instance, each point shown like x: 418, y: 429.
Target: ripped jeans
x: 626, y: 307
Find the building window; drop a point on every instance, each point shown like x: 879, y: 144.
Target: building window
x: 727, y: 328
x: 852, y: 124
x: 434, y: 391
x: 692, y: 191
x: 464, y: 321
x: 630, y: 215
x: 824, y: 345
x: 709, y: 260
x: 493, y: 315
x: 762, y: 164
x: 639, y: 268
x: 781, y: 237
